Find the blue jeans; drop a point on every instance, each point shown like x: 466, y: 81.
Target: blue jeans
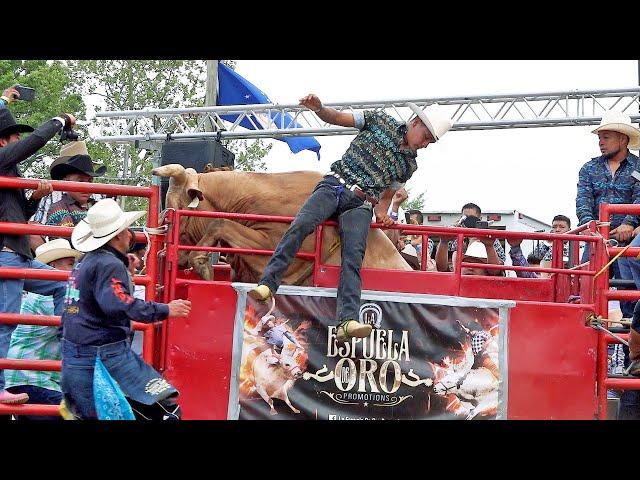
x: 11, y: 295
x: 38, y: 395
x: 138, y: 380
x: 354, y: 218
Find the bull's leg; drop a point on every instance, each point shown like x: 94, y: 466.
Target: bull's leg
x: 285, y: 391
x: 236, y: 235
x: 265, y: 396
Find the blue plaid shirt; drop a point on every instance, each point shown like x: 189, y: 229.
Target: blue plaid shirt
x: 596, y: 186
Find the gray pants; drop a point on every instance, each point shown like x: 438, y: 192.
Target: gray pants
x: 354, y: 217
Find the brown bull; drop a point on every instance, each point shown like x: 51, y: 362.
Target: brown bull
x: 257, y: 193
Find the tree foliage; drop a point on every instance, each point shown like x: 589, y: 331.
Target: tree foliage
x: 138, y: 84
x: 416, y: 203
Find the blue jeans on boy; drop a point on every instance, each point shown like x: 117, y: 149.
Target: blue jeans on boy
x: 354, y: 217
x: 11, y: 295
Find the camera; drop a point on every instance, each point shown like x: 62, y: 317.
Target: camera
x: 473, y: 222
x: 69, y: 135
x: 27, y: 94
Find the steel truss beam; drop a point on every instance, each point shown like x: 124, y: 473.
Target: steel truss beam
x: 483, y: 112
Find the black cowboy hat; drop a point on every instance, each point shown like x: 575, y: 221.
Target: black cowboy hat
x: 78, y: 163
x: 8, y: 124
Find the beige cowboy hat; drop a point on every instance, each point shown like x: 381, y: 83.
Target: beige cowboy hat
x: 477, y: 251
x: 435, y: 119
x: 55, y: 250
x: 103, y: 222
x: 616, y: 121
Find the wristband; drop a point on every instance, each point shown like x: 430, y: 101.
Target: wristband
x: 320, y: 109
x: 394, y: 215
x: 7, y: 100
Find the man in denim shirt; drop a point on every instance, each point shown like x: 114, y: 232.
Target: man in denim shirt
x: 378, y: 162
x: 607, y: 178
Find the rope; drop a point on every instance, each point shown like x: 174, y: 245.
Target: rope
x: 600, y: 327
x: 613, y: 260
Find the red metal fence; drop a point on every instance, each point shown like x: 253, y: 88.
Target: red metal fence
x: 148, y: 280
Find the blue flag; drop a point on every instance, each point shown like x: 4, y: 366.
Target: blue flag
x: 236, y: 90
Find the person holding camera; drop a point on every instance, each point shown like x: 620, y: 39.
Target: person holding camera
x: 471, y: 214
x: 15, y: 250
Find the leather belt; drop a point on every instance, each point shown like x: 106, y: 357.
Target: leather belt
x: 355, y: 188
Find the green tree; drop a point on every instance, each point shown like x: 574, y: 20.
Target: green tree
x: 138, y: 84
x: 416, y: 203
x: 54, y: 95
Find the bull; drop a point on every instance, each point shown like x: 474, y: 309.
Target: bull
x: 257, y: 193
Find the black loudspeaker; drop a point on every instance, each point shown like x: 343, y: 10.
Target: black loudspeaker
x: 196, y: 154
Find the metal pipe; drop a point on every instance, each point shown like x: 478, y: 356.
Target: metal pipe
x: 9, y: 228
x: 58, y: 275
x: 22, y: 364
x: 493, y: 266
x: 30, y: 409
x: 623, y: 383
x: 87, y: 187
x: 452, y: 100
x: 240, y: 251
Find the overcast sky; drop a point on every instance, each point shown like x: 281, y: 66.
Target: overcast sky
x: 533, y: 170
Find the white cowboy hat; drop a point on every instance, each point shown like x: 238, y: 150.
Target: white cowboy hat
x: 55, y: 250
x: 410, y: 250
x: 434, y: 118
x: 616, y: 121
x: 476, y: 250
x: 103, y: 222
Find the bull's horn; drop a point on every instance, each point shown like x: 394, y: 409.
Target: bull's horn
x: 174, y: 170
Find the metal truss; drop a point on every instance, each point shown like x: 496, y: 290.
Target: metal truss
x: 483, y: 112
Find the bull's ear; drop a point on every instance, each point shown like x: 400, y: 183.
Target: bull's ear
x: 195, y: 193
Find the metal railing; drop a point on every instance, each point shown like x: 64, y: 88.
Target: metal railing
x: 148, y: 280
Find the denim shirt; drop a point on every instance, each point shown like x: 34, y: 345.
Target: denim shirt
x: 596, y: 186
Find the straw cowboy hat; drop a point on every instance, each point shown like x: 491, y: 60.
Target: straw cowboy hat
x: 103, y: 222
x: 476, y: 250
x: 74, y: 157
x: 9, y: 126
x: 55, y: 250
x: 435, y: 119
x: 616, y: 121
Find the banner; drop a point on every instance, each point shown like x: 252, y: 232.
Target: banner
x: 428, y: 357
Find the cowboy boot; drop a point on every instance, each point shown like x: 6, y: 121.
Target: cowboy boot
x: 260, y: 293
x: 352, y: 328
x: 634, y: 353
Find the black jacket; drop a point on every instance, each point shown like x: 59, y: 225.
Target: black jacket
x: 14, y: 207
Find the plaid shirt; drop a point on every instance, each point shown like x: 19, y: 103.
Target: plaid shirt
x: 67, y: 212
x: 596, y: 186
x: 374, y: 159
x: 35, y: 342
x: 42, y: 213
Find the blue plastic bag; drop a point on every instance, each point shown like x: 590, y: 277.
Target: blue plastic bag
x: 111, y: 403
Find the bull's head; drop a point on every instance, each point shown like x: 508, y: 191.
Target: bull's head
x: 183, y: 185
x: 184, y: 192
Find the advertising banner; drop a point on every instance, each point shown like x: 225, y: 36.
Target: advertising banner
x: 428, y: 357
